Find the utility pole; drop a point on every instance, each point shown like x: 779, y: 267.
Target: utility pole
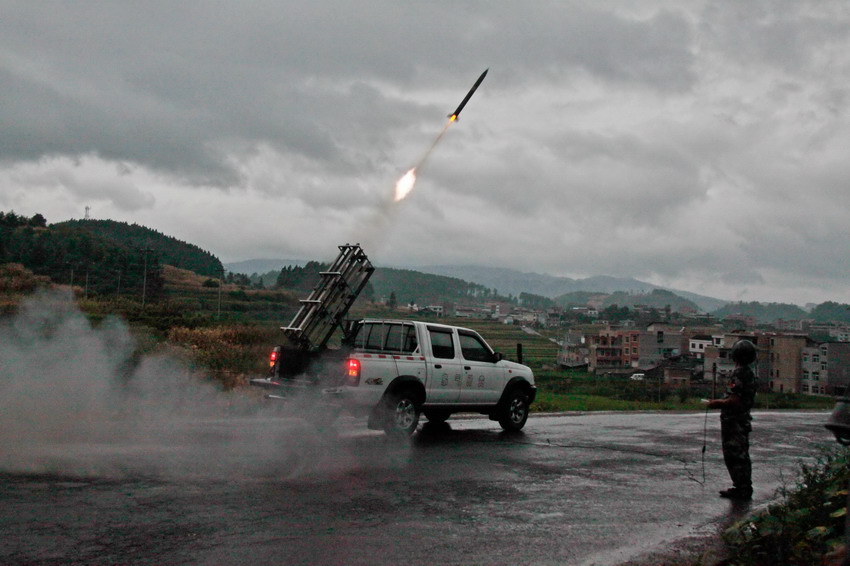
x: 146, y: 251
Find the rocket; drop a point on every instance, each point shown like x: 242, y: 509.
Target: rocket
x: 454, y: 115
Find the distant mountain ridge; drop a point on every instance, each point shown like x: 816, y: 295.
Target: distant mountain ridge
x: 506, y: 280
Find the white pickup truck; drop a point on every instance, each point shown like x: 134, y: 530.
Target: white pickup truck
x: 395, y: 370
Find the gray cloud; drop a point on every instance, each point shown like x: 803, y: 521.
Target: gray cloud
x: 177, y: 87
x: 702, y: 143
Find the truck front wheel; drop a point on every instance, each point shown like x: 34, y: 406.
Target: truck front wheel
x: 514, y: 412
x: 402, y: 414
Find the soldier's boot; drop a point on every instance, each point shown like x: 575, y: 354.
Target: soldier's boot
x: 739, y: 493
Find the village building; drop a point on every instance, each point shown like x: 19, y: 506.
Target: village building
x: 825, y: 368
x: 697, y: 345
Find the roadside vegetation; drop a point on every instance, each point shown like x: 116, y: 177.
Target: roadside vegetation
x: 806, y: 526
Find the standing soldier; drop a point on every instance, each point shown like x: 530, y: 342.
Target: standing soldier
x: 735, y: 421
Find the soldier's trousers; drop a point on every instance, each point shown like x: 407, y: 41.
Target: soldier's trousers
x: 735, y: 434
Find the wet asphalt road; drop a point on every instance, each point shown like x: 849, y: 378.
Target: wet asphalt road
x: 574, y: 489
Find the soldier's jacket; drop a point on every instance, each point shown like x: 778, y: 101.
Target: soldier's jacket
x: 740, y: 396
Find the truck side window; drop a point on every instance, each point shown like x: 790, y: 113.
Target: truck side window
x: 362, y: 334
x: 442, y: 345
x: 409, y: 342
x: 393, y: 343
x: 472, y: 348
x: 375, y: 339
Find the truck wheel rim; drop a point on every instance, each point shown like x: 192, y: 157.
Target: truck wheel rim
x: 405, y: 413
x: 517, y: 410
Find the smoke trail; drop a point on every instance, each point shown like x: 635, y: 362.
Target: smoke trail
x: 371, y: 234
x: 75, y: 401
x: 406, y: 183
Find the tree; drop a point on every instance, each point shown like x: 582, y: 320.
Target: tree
x: 393, y: 302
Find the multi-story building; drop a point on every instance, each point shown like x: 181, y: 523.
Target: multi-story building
x: 825, y: 368
x: 840, y: 334
x: 606, y: 352
x: 697, y: 345
x: 631, y: 347
x: 660, y: 342
x: 575, y: 350
x: 813, y: 370
x: 619, y: 349
x: 838, y: 367
x: 785, y: 362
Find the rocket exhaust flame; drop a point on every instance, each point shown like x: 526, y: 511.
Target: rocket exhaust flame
x: 405, y: 184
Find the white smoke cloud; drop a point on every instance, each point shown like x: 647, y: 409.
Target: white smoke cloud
x: 76, y: 401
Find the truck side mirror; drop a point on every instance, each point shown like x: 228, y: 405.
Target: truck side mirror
x: 497, y: 357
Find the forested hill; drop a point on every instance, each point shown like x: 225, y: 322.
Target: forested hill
x: 423, y: 288
x: 74, y: 256
x: 168, y: 249
x: 763, y: 312
x: 657, y: 299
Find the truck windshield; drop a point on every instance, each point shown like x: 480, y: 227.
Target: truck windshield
x: 473, y: 348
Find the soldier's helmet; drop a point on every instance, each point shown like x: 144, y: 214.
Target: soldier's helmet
x: 743, y: 352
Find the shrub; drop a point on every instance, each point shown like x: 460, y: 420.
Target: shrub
x: 230, y: 353
x: 805, y: 525
x: 15, y: 278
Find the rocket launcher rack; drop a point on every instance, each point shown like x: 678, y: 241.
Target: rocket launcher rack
x: 324, y: 310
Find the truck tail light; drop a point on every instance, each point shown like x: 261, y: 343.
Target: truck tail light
x: 352, y: 372
x: 274, y: 356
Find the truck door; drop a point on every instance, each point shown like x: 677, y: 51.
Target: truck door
x: 378, y: 368
x: 444, y: 367
x: 483, y: 376
x: 404, y: 347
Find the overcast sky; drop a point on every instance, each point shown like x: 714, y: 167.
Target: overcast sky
x: 703, y: 146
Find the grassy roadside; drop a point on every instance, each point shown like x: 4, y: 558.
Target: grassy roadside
x: 548, y: 401
x: 564, y: 390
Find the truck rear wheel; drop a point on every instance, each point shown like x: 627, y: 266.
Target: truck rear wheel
x: 514, y: 412
x: 402, y: 413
